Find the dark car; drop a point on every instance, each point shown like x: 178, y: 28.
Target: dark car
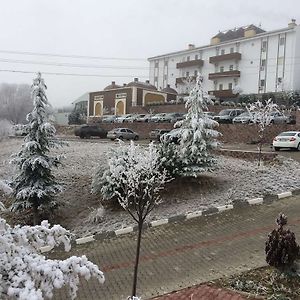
x: 227, y: 115
x: 157, y: 133
x: 88, y: 131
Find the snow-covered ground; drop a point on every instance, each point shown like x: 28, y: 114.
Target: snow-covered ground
x: 233, y: 180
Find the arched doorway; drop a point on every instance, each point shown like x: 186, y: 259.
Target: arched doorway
x: 120, y: 108
x: 98, y: 109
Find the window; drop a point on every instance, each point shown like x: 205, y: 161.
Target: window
x: 196, y: 57
x: 156, y: 64
x: 231, y: 68
x: 187, y: 74
x: 217, y: 51
x: 156, y: 79
x: 221, y: 69
x: 222, y: 52
x: 264, y: 46
x: 263, y: 62
x: 220, y: 86
x: 279, y: 80
x: 280, y: 60
x: 123, y: 130
x: 166, y: 63
x: 282, y: 41
x: 195, y: 73
x: 231, y: 50
x: 165, y: 77
x: 262, y: 82
x: 230, y: 86
x: 187, y: 58
x: 130, y: 131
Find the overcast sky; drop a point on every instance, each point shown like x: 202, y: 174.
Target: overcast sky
x: 135, y: 29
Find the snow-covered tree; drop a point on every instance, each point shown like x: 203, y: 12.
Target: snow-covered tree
x: 198, y: 134
x: 34, y: 185
x: 262, y: 116
x: 26, y: 274
x: 134, y: 176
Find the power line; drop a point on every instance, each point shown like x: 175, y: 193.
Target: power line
x: 72, y: 55
x: 72, y: 65
x: 72, y: 74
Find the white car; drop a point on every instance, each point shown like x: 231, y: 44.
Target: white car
x: 287, y: 139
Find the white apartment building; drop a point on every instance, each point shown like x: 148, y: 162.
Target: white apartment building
x: 254, y: 60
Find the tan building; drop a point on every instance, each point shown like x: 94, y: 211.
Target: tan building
x: 119, y: 100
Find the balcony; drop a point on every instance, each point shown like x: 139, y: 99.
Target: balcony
x: 223, y: 94
x: 229, y: 56
x: 233, y: 73
x: 181, y: 80
x: 190, y: 63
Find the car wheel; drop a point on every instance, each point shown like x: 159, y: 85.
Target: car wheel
x: 136, y: 138
x: 298, y: 148
x: 276, y: 148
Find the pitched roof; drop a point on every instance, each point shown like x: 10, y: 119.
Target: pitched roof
x: 82, y: 98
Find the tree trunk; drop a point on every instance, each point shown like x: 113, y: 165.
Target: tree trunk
x: 259, y: 154
x: 138, y: 247
x: 36, y: 220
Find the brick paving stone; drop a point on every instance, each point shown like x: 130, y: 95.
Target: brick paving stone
x: 183, y: 254
x: 202, y: 292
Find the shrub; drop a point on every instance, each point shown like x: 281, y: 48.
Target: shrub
x: 281, y: 246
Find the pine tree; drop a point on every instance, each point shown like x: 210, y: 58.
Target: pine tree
x: 34, y: 186
x: 198, y: 136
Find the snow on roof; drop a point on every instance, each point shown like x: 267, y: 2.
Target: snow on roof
x: 84, y: 97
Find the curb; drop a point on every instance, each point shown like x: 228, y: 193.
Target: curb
x: 267, y: 199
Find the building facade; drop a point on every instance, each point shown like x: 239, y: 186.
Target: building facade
x: 119, y: 100
x: 246, y: 59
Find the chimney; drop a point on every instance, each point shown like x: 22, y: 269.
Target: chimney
x: 113, y: 83
x: 124, y: 84
x: 147, y: 81
x: 293, y: 23
x: 191, y: 46
x: 168, y: 85
x: 136, y: 79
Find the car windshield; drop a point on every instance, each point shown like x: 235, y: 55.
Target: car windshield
x: 225, y: 112
x: 287, y: 134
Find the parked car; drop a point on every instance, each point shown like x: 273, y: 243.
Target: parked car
x: 210, y: 114
x: 278, y: 117
x: 20, y: 130
x: 157, y: 133
x: 146, y: 118
x: 136, y: 118
x: 109, y: 118
x: 122, y: 134
x: 244, y: 118
x: 123, y: 118
x: 173, y: 136
x: 287, y: 139
x: 88, y: 131
x: 172, y: 117
x: 158, y: 118
x: 227, y: 115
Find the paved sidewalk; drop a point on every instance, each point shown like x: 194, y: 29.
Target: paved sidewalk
x: 180, y: 255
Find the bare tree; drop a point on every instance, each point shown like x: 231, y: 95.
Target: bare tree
x: 15, y: 102
x: 262, y: 116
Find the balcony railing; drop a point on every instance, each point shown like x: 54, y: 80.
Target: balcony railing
x: 229, y: 56
x: 182, y: 80
x: 190, y: 63
x: 223, y: 93
x: 233, y: 73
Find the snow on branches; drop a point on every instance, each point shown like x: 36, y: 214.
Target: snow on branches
x: 262, y: 115
x: 26, y: 274
x: 197, y: 133
x: 134, y: 177
x: 34, y: 185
